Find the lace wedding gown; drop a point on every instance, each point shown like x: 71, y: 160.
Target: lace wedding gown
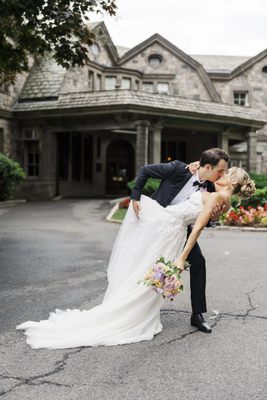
x: 130, y: 312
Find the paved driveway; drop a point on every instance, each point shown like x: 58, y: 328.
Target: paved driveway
x: 54, y: 255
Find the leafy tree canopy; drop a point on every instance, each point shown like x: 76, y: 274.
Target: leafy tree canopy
x: 33, y: 27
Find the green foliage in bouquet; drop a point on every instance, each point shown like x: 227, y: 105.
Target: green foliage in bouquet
x: 10, y: 175
x: 149, y: 188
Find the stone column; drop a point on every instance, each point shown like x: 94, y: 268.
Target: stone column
x: 155, y: 144
x: 141, y: 143
x: 223, y: 141
x: 252, y: 139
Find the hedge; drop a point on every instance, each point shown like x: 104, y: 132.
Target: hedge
x: 11, y: 174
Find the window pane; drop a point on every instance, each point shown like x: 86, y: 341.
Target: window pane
x: 31, y: 170
x: 90, y: 79
x: 110, y: 82
x: 126, y: 83
x: 30, y: 158
x: 163, y: 88
x: 148, y: 86
x: 98, y: 82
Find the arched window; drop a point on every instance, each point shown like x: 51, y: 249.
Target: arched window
x: 155, y: 60
x: 264, y: 69
x: 95, y: 49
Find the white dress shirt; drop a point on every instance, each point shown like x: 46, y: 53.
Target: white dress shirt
x: 187, y: 190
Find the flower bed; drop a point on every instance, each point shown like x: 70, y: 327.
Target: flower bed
x: 241, y: 216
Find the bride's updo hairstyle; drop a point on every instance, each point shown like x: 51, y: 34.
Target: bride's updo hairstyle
x: 244, y: 187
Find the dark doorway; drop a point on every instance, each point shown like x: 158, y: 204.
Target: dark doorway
x: 120, y: 167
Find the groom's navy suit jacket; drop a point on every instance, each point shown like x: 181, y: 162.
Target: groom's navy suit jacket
x: 173, y: 175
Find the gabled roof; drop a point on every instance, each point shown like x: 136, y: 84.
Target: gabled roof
x: 156, y: 38
x: 241, y: 68
x: 102, y: 34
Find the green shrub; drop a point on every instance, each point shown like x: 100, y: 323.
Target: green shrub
x: 149, y: 188
x: 258, y: 199
x: 10, y: 175
x: 259, y: 179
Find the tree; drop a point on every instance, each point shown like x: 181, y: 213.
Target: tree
x: 34, y: 27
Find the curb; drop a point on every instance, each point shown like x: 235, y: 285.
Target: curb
x: 9, y: 203
x: 112, y: 212
x: 241, y: 228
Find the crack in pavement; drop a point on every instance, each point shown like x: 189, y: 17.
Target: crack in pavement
x: 217, y: 317
x: 60, y: 364
x: 37, y: 379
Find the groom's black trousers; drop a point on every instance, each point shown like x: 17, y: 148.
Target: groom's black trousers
x: 197, y: 279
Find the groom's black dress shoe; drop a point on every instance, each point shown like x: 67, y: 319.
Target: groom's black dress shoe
x: 199, y: 321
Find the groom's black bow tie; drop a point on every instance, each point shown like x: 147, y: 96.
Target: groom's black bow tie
x: 200, y: 185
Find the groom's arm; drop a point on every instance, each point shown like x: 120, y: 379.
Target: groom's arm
x: 157, y: 171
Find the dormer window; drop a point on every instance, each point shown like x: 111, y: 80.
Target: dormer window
x: 241, y: 98
x: 264, y: 70
x: 155, y: 60
x: 95, y: 49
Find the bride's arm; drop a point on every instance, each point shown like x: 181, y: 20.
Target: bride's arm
x: 202, y: 220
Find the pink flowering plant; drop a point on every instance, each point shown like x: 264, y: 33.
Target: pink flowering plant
x: 250, y: 216
x: 165, y: 278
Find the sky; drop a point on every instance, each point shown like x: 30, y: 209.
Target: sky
x: 222, y: 27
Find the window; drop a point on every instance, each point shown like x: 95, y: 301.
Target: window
x: 148, y: 86
x: 155, y: 60
x: 98, y: 82
x: 90, y: 79
x: 33, y: 159
x: 95, y: 49
x: 241, y: 98
x: 163, y: 88
x: 110, y: 82
x: 126, y: 83
x: 264, y: 70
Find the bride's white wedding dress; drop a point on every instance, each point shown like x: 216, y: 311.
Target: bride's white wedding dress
x: 130, y: 312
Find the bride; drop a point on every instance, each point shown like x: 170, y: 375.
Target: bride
x: 130, y: 312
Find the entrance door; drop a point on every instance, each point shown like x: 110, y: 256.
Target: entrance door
x: 120, y: 167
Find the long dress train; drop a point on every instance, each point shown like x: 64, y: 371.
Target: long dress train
x: 130, y: 312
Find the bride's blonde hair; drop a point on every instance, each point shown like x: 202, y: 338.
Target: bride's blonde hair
x: 245, y: 187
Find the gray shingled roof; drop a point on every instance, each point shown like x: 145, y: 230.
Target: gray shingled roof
x: 214, y: 63
x: 44, y: 80
x: 139, y: 100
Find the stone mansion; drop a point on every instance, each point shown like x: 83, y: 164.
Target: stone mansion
x: 86, y: 131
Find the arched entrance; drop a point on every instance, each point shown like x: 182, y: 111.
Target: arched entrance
x: 119, y: 167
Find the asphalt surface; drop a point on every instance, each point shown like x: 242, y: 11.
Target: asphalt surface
x: 54, y: 255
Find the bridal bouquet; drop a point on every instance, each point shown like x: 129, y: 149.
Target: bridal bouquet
x: 165, y: 278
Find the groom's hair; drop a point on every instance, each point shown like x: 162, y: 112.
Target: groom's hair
x: 213, y: 157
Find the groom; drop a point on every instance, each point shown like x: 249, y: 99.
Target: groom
x: 177, y: 184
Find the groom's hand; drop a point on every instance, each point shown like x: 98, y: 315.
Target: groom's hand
x: 217, y: 211
x: 136, y: 207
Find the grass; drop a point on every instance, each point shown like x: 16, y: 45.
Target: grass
x: 119, y: 214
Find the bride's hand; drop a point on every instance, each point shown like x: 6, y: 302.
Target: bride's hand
x: 193, y: 167
x: 136, y: 207
x: 180, y: 263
